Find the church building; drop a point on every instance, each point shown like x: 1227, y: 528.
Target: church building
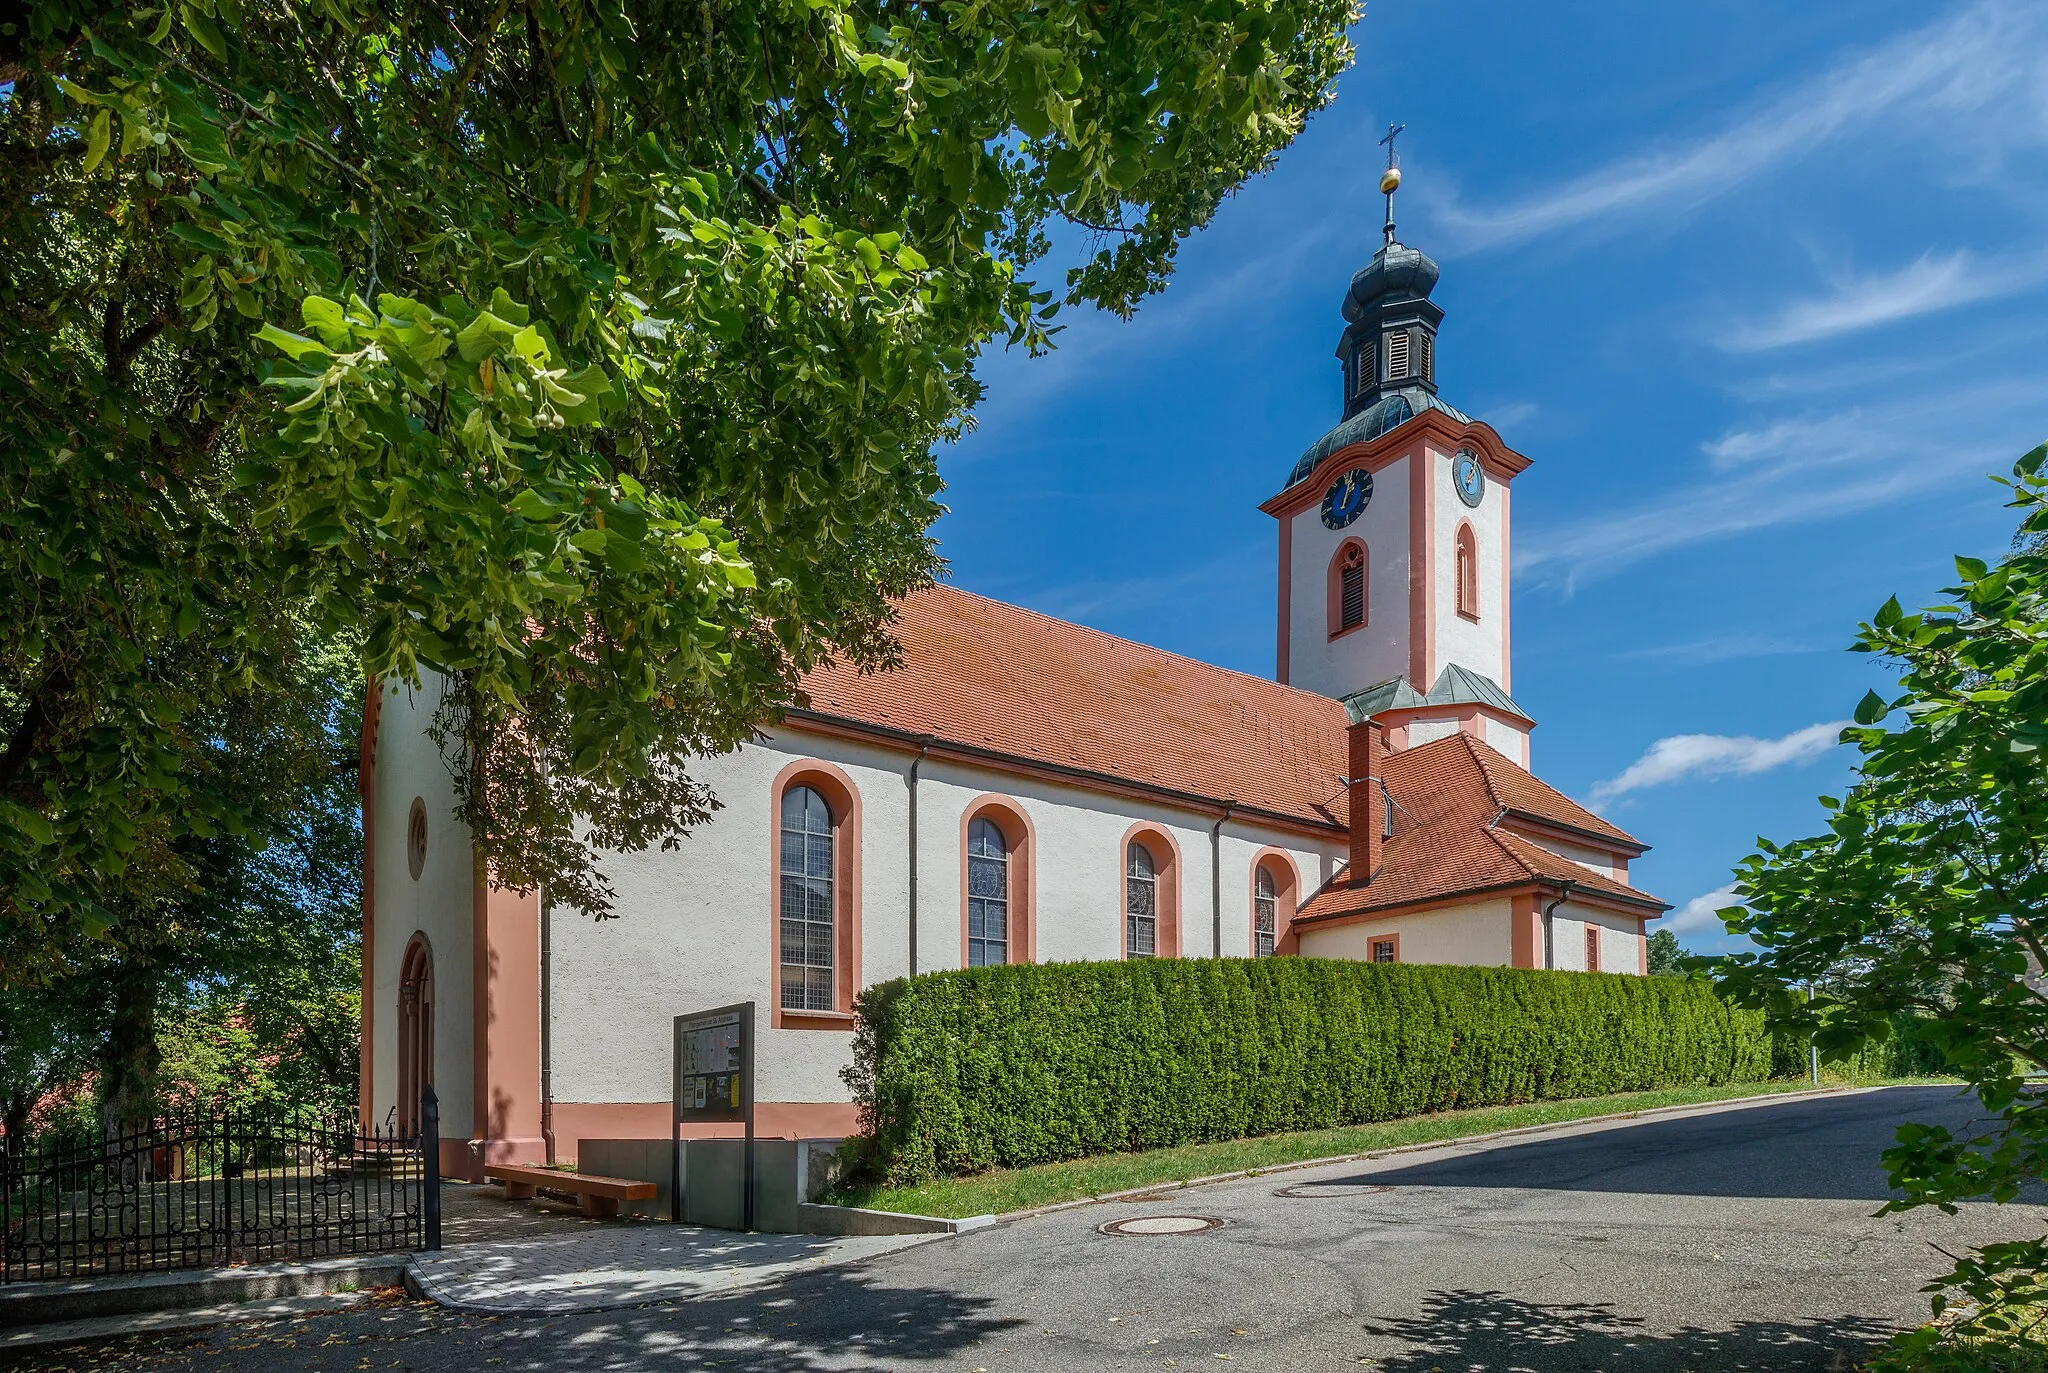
x: 1022, y: 789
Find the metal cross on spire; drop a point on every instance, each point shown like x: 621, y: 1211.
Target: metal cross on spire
x: 1391, y: 177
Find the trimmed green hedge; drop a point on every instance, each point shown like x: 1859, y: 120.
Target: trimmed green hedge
x: 957, y: 1072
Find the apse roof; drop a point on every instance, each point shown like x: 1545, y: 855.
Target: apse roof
x: 1456, y: 685
x: 1390, y: 413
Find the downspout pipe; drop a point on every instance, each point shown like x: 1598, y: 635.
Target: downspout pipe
x: 1549, y: 928
x: 1216, y: 883
x: 924, y: 746
x: 547, y: 1055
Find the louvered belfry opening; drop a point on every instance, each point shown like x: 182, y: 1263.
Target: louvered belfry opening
x: 1426, y: 342
x: 1351, y: 589
x: 1397, y: 355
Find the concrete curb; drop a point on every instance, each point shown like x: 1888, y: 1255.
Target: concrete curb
x: 43, y: 1303
x: 1160, y: 1190
x: 100, y: 1328
x: 819, y: 1218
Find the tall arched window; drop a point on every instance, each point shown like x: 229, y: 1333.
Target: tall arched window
x: 415, y: 1031
x: 1141, y: 903
x: 988, y: 894
x: 1347, y: 588
x: 807, y: 906
x: 1265, y: 913
x: 1468, y: 573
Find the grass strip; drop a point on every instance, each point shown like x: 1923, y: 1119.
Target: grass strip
x: 1046, y: 1184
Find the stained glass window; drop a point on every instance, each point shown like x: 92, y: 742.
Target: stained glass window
x: 1141, y: 904
x: 807, y: 901
x: 1265, y: 914
x: 988, y: 894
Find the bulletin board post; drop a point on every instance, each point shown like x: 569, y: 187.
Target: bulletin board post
x: 714, y: 1083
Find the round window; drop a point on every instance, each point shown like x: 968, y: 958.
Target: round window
x: 416, y: 838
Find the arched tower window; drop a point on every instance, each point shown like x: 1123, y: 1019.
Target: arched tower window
x: 1265, y: 913
x: 988, y: 894
x: 1347, y: 589
x: 1468, y: 573
x: 814, y: 838
x: 415, y: 1032
x: 1141, y: 902
x: 807, y: 905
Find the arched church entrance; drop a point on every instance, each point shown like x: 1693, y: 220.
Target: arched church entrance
x: 415, y: 1031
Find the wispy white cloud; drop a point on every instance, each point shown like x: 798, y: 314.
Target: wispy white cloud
x: 1700, y: 913
x: 1797, y: 470
x: 1682, y: 756
x: 1725, y: 648
x: 1984, y: 60
x: 1922, y: 287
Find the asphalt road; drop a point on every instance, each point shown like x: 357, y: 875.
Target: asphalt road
x: 1741, y: 1239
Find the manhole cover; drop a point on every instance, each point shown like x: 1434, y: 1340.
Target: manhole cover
x: 1331, y: 1189
x: 1159, y: 1225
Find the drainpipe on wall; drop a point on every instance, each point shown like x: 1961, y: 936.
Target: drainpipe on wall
x: 1216, y: 881
x: 547, y: 1056
x: 1549, y: 941
x: 924, y: 746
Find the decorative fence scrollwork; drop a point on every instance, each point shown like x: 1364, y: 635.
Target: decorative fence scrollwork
x: 211, y: 1191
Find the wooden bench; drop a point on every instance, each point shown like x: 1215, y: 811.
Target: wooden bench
x: 599, y: 1196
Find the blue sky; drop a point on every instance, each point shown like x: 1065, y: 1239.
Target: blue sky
x: 1757, y: 286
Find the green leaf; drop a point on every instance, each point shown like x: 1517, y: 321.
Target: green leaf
x: 295, y: 346
x: 97, y: 136
x: 1871, y: 709
x: 485, y: 336
x: 202, y: 27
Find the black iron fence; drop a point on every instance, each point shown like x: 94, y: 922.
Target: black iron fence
x: 211, y: 1191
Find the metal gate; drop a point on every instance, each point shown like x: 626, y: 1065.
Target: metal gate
x: 210, y: 1191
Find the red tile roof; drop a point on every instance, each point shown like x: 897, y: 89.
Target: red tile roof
x: 991, y: 677
x: 1447, y: 801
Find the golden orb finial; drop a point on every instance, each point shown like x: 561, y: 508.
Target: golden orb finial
x: 1389, y: 179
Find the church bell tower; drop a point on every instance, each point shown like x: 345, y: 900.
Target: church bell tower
x: 1394, y: 566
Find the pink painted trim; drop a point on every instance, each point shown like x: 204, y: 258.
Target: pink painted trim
x: 839, y: 792
x: 1525, y: 932
x: 1333, y: 588
x: 1506, y: 658
x: 576, y: 1121
x: 1642, y: 947
x: 505, y: 1024
x: 366, y: 791
x: 1286, y: 612
x: 1021, y: 838
x: 1166, y: 880
x: 1592, y: 946
x: 1286, y: 898
x: 1502, y: 463
x: 1422, y: 566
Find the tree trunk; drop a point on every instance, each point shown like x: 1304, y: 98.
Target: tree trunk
x: 130, y: 1059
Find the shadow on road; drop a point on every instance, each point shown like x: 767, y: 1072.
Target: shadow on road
x: 1496, y: 1332
x: 1817, y: 1149
x: 828, y: 1320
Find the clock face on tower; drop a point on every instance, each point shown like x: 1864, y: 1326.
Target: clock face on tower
x: 1347, y: 498
x: 1469, y: 476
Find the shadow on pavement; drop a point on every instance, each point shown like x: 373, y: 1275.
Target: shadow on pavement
x: 830, y: 1320
x: 1824, y: 1149
x: 1496, y: 1332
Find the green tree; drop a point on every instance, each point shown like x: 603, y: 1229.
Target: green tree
x: 1666, y: 955
x: 588, y: 353
x: 1928, y: 895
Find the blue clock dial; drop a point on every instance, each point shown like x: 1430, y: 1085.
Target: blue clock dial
x: 1347, y: 498
x: 1469, y: 476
